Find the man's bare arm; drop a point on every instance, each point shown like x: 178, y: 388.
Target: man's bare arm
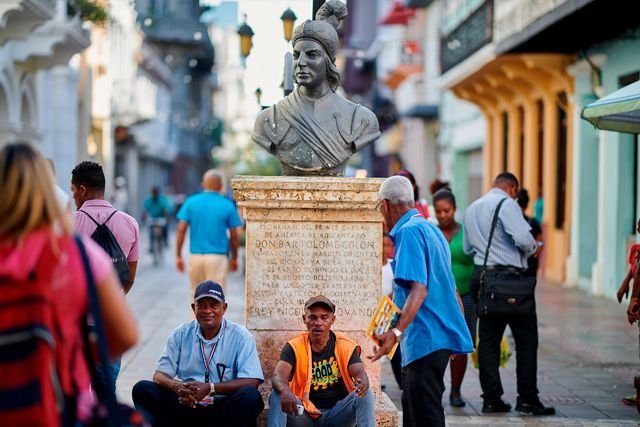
x: 416, y: 298
x: 280, y: 383
x: 361, y: 380
x: 180, y: 235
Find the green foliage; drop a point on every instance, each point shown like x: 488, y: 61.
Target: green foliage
x: 89, y: 10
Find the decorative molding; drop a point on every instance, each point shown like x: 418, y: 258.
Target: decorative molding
x: 51, y: 44
x: 18, y: 18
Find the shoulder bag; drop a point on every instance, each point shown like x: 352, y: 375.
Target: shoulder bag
x: 109, y: 412
x: 504, y: 291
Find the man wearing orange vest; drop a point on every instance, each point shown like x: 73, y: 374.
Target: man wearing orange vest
x: 320, y: 376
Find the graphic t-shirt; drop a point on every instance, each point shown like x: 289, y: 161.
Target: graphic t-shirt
x: 327, y: 385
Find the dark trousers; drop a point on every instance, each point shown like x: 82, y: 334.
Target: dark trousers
x: 423, y: 386
x: 161, y: 406
x: 525, y: 333
x: 396, y: 367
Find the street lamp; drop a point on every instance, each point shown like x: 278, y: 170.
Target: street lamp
x: 288, y: 19
x: 246, y: 34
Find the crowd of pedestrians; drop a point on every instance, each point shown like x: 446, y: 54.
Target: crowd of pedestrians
x: 436, y: 272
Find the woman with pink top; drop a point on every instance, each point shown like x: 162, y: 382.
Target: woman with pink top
x: 36, y: 243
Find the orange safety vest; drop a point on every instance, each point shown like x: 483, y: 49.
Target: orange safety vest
x: 300, y: 384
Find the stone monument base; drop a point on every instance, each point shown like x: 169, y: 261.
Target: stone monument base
x: 307, y: 236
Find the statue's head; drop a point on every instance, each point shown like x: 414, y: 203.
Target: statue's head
x: 323, y: 31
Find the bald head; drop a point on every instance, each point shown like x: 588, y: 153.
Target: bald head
x: 212, y: 180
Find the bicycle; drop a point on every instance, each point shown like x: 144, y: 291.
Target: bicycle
x: 157, y: 239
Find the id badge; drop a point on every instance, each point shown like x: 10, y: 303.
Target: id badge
x: 206, y: 401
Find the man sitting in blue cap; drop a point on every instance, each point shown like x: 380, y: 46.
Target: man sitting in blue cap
x: 208, y: 373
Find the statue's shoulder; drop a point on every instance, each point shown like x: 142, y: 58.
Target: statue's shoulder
x: 264, y: 116
x: 363, y: 113
x: 357, y: 111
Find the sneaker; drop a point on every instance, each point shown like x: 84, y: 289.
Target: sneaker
x: 629, y: 400
x: 495, y: 406
x: 535, y: 408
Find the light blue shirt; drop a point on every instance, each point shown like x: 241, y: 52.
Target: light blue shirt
x: 235, y: 354
x: 422, y: 255
x: 512, y: 241
x: 209, y: 215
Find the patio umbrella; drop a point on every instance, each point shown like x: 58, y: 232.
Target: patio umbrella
x: 619, y: 111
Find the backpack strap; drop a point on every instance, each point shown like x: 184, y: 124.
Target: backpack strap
x: 112, y: 214
x: 96, y: 222
x: 90, y: 217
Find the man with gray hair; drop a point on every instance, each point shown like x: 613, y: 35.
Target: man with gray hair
x: 431, y: 326
x: 213, y: 221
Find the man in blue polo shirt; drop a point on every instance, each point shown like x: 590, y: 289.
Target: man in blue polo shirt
x: 213, y: 221
x: 208, y: 373
x: 431, y: 327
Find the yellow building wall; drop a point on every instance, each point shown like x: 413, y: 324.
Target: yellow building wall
x: 518, y: 82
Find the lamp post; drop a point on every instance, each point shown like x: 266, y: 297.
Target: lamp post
x: 288, y: 19
x: 246, y: 34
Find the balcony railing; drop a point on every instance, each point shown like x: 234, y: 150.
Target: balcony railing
x: 512, y: 16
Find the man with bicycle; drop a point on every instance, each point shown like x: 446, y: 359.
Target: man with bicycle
x: 157, y: 207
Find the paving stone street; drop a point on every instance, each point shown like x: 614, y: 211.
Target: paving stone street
x: 587, y: 356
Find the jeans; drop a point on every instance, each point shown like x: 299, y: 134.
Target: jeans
x: 525, y: 334
x: 161, y: 407
x: 107, y: 376
x: 346, y: 412
x: 423, y: 386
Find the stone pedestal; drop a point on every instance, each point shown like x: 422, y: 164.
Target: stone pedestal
x: 307, y: 236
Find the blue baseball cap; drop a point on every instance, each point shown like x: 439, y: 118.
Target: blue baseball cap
x: 209, y: 289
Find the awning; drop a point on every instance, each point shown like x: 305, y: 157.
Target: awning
x: 422, y: 111
x: 400, y: 73
x: 619, y: 111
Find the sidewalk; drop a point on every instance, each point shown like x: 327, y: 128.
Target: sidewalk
x: 587, y: 356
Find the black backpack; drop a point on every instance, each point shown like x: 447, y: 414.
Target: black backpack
x: 107, y: 241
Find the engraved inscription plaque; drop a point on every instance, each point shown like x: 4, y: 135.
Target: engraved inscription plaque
x: 289, y: 261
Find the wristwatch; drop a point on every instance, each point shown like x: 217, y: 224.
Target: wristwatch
x: 398, y: 333
x: 213, y: 389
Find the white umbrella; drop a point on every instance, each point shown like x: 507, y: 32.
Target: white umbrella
x: 619, y: 111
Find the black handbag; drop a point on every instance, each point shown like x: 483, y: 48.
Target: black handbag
x: 109, y: 412
x: 504, y: 291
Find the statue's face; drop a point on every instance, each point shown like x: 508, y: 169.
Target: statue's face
x: 309, y: 64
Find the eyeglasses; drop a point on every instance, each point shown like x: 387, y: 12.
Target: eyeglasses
x: 379, y: 204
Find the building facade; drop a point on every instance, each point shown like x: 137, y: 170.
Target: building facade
x: 175, y: 30
x: 530, y: 78
x: 38, y: 87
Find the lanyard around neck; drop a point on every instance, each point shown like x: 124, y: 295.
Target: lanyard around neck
x: 207, y: 360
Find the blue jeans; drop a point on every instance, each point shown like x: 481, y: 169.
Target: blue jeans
x: 347, y: 412
x: 107, y: 375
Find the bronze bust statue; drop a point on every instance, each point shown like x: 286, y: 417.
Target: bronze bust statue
x: 314, y: 131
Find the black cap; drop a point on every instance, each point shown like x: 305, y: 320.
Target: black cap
x: 209, y: 289
x: 320, y: 299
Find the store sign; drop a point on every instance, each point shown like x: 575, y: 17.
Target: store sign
x: 473, y: 33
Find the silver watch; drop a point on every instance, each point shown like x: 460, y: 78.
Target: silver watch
x: 398, y: 333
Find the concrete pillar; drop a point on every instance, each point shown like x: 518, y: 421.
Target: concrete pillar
x: 497, y: 146
x: 514, y: 154
x: 487, y: 151
x: 530, y: 153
